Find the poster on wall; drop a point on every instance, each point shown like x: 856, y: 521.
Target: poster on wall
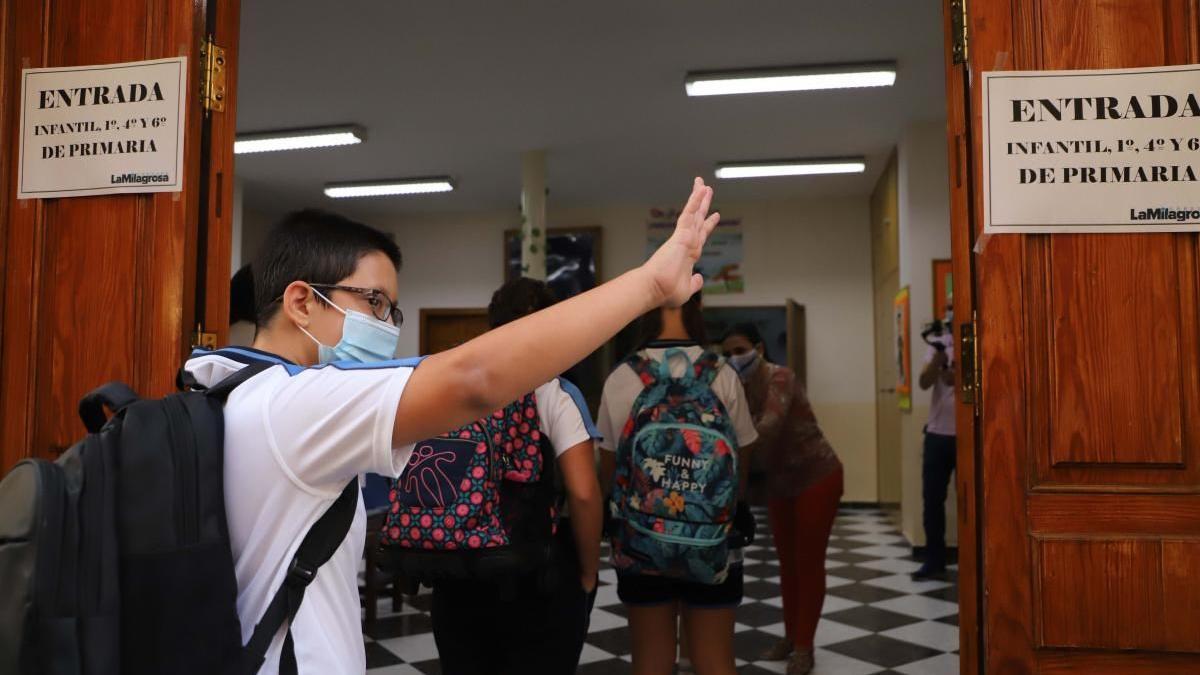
x: 95, y: 130
x: 903, y: 352
x: 1092, y: 150
x: 721, y: 262
x: 943, y: 288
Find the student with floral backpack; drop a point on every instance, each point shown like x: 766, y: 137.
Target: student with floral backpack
x: 476, y: 517
x: 675, y: 431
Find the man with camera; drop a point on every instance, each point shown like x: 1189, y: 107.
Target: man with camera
x: 937, y: 464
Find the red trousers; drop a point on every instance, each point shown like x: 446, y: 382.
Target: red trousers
x: 801, y: 527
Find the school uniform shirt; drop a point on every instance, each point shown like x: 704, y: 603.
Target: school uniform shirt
x: 623, y: 386
x: 563, y: 415
x: 941, y: 401
x: 294, y: 437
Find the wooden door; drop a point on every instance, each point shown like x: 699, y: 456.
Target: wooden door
x: 109, y: 287
x: 443, y: 329
x: 885, y: 274
x: 1089, y: 427
x: 797, y: 340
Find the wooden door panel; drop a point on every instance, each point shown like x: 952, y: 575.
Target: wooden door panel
x: 1118, y: 593
x: 88, y: 294
x: 1106, y: 34
x: 1114, y: 310
x: 97, y: 288
x: 1090, y: 449
x: 1123, y: 308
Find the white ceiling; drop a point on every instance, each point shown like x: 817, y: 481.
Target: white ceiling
x: 461, y: 88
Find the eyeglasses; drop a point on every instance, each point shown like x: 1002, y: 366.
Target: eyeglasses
x: 381, y: 305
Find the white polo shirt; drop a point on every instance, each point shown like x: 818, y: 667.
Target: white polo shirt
x: 293, y: 438
x: 563, y: 415
x: 941, y: 401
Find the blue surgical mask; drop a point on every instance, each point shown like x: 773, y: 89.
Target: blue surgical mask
x: 742, y: 363
x: 365, y: 339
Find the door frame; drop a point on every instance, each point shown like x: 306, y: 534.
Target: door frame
x: 963, y: 229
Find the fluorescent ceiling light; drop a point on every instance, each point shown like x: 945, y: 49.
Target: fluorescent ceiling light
x: 797, y: 167
x: 809, y: 78
x: 298, y: 139
x: 402, y: 186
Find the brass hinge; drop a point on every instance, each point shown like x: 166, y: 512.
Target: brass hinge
x: 958, y: 28
x: 212, y: 76
x: 203, y: 340
x: 971, y: 375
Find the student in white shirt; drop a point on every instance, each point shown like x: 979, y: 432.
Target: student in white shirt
x: 655, y: 602
x: 332, y: 407
x: 534, y: 624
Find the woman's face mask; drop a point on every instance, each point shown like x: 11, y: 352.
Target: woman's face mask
x: 744, y: 363
x: 365, y: 339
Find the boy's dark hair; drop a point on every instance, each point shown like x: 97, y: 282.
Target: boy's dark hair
x: 241, y: 295
x: 750, y: 332
x: 651, y: 324
x: 312, y: 245
x: 518, y: 298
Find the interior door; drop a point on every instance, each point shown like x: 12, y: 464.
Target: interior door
x: 108, y: 287
x: 443, y: 329
x: 885, y: 273
x: 1090, y: 408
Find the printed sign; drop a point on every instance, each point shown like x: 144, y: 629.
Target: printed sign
x: 721, y: 261
x: 1092, y: 150
x: 93, y: 130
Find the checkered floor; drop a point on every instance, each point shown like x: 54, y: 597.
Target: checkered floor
x: 875, y: 618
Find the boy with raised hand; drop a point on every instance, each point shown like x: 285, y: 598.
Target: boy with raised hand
x: 332, y: 406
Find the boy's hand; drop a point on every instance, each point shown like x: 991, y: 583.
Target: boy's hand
x: 671, y: 266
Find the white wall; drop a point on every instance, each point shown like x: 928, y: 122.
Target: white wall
x: 816, y: 253
x: 924, y: 237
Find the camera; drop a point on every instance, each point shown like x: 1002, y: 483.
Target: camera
x: 935, y: 328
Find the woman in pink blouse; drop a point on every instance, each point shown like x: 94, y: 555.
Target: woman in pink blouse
x: 804, y: 487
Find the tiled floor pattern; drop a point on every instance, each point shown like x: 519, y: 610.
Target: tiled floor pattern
x: 875, y: 619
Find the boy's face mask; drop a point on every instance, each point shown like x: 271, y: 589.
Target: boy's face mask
x: 365, y: 339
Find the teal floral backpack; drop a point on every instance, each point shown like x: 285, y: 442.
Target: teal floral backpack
x: 675, y: 488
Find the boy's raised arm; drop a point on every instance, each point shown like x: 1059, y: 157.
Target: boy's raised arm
x: 470, y: 381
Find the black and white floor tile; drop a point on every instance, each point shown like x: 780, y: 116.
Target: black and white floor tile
x: 875, y: 620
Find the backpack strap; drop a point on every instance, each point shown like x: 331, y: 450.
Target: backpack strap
x: 640, y: 365
x: 222, y: 389
x: 318, y: 547
x: 664, y: 366
x: 706, y: 367
x: 116, y: 395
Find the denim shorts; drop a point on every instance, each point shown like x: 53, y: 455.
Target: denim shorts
x: 643, y: 590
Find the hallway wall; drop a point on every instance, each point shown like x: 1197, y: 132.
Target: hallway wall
x: 924, y: 237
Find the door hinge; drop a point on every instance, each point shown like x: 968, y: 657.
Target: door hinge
x: 203, y: 340
x: 212, y: 76
x: 958, y: 28
x: 970, y: 375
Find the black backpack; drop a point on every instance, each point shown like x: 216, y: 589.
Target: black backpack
x: 115, y: 559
